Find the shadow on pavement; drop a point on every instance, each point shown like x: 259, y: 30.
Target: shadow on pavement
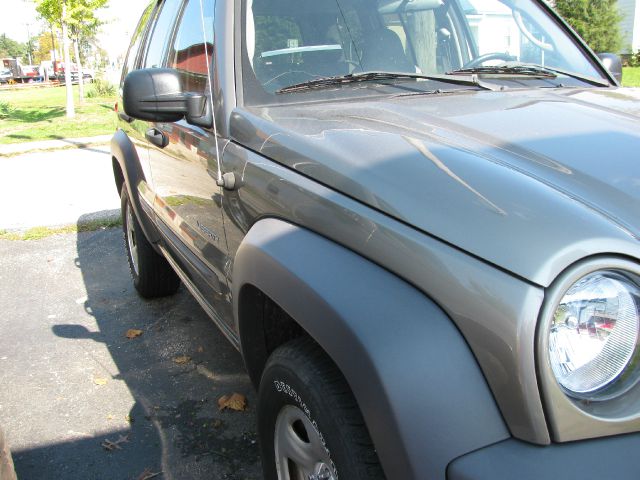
x: 167, y: 418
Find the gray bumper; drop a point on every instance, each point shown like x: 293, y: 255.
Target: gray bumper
x: 604, y: 458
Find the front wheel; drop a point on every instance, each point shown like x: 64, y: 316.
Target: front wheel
x: 309, y: 424
x: 152, y: 275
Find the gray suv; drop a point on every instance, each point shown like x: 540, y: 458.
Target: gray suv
x: 418, y: 220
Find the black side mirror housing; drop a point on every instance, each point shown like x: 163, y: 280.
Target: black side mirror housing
x: 155, y: 94
x: 613, y: 64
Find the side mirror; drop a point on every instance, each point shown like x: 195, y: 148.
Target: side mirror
x: 613, y: 63
x: 155, y: 94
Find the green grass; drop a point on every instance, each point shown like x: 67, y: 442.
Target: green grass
x: 38, y: 233
x: 631, y: 77
x: 31, y: 114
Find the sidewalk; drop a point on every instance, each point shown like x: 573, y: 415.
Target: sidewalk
x: 57, y: 188
x: 58, y: 144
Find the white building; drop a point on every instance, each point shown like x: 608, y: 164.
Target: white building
x: 630, y: 25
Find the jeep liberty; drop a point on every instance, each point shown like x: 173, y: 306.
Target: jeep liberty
x: 418, y: 220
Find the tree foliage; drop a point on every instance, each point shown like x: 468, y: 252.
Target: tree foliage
x: 43, y: 50
x: 11, y: 48
x: 596, y: 21
x: 80, y: 14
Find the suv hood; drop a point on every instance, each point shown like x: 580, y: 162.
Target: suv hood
x: 528, y: 180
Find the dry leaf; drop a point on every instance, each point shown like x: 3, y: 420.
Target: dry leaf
x: 100, y: 381
x: 182, y: 359
x: 235, y: 401
x: 111, y: 446
x: 133, y: 333
x: 147, y: 474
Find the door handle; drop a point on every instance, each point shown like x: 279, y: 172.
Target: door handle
x: 158, y: 138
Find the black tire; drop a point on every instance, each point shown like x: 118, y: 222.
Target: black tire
x: 152, y: 275
x: 300, y: 375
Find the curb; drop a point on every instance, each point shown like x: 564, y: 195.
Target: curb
x: 87, y: 219
x: 12, y: 149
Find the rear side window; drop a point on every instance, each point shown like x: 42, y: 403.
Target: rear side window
x: 161, y: 32
x: 132, y: 54
x: 191, y: 46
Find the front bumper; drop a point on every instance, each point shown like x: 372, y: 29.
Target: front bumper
x: 603, y: 458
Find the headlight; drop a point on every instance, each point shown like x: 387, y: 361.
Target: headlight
x: 593, y: 336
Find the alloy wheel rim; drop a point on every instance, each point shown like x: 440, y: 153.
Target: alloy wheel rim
x: 132, y: 240
x: 299, y: 449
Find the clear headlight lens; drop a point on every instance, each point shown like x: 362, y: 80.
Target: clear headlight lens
x: 594, y: 334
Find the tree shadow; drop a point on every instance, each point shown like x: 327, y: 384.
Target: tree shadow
x: 27, y: 115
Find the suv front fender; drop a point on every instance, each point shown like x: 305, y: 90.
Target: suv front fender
x: 420, y: 390
x: 123, y: 150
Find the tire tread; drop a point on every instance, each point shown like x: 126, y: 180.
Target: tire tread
x: 155, y: 277
x: 309, y: 362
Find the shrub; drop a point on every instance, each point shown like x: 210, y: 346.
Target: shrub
x: 6, y: 109
x: 101, y: 88
x: 633, y: 60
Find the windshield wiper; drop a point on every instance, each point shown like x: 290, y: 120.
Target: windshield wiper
x: 472, y: 81
x: 527, y: 70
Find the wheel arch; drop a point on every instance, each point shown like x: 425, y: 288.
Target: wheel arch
x: 414, y: 380
x: 128, y: 171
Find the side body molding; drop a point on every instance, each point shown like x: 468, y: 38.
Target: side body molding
x: 419, y: 387
x: 125, y: 153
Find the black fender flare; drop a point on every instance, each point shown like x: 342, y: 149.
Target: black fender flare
x: 420, y: 389
x: 123, y: 150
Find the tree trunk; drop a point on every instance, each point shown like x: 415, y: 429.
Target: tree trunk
x: 423, y: 27
x: 71, y: 112
x: 76, y: 50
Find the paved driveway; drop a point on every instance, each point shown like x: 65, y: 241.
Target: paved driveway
x: 74, y: 386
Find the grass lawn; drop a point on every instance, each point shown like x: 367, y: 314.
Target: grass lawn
x: 30, y: 114
x: 631, y: 77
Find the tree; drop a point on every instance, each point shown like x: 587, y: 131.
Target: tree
x: 56, y: 12
x: 11, y: 48
x: 83, y: 25
x: 45, y: 45
x: 72, y: 16
x: 596, y: 21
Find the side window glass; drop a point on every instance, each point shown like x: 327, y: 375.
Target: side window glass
x: 132, y: 54
x: 160, y: 34
x: 189, y: 51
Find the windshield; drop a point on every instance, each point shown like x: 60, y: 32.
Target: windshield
x: 288, y: 42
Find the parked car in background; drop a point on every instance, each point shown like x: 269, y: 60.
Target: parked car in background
x: 417, y: 220
x: 5, y: 75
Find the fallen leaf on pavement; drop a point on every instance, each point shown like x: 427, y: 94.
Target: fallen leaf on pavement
x: 147, y: 474
x: 235, y: 401
x: 133, y: 333
x: 182, y: 359
x: 111, y: 446
x: 100, y: 381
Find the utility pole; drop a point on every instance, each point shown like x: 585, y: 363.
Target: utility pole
x: 29, y: 46
x: 53, y: 42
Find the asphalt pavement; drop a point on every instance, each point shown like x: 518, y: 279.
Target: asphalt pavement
x: 79, y: 399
